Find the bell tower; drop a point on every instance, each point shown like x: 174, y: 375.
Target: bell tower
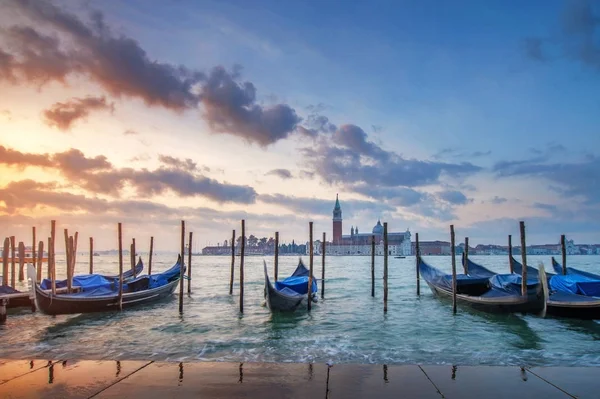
x: 337, y: 222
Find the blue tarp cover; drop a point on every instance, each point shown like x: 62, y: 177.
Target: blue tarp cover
x: 576, y: 284
x: 85, y: 281
x: 296, y: 284
x: 512, y: 283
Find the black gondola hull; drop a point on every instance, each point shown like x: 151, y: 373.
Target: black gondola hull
x: 575, y: 310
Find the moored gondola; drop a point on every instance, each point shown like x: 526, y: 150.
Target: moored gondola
x: 105, y: 297
x: 495, y: 294
x: 288, y: 294
x: 567, y: 294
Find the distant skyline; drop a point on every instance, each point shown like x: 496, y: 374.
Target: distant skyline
x: 419, y: 113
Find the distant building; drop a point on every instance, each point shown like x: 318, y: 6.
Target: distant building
x: 357, y: 243
x: 433, y: 248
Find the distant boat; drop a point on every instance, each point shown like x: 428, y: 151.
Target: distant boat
x: 96, y: 254
x: 400, y: 257
x: 289, y: 293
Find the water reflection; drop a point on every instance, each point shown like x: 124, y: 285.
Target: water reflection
x: 454, y: 368
x: 327, y: 383
x: 118, y: 368
x: 586, y: 327
x: 51, y: 373
x: 30, y: 364
x: 385, y: 375
x: 310, y: 371
x: 180, y: 374
x: 241, y: 380
x: 523, y: 374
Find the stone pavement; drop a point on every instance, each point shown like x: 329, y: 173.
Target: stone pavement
x: 147, y: 379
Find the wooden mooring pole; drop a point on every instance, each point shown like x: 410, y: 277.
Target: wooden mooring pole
x: 21, y: 261
x: 53, y: 255
x: 466, y: 256
x: 68, y: 261
x: 453, y: 253
x: 242, y: 251
x: 120, y: 297
x: 418, y: 259
x: 182, y: 266
x: 39, y: 261
x: 524, y: 259
x: 385, y: 267
x: 91, y: 255
x: 13, y: 270
x: 134, y: 256
x: 323, y: 250
x: 310, y: 260
x: 189, y: 286
x: 232, y: 263
x: 5, y: 252
x: 510, y: 255
x: 373, y: 266
x: 276, y: 264
x: 563, y: 248
x: 33, y: 248
x: 150, y: 256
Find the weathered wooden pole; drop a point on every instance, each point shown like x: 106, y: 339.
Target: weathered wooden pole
x: 276, y: 265
x: 39, y: 261
x: 49, y: 258
x: 385, y: 267
x: 120, y: 297
x: 466, y: 257
x: 74, y: 253
x: 53, y: 249
x: 91, y: 255
x: 232, y: 263
x: 452, y: 251
x: 13, y: 271
x: 68, y: 260
x: 3, y: 305
x: 524, y: 259
x: 150, y: 256
x: 5, y: 252
x: 242, y: 251
x: 189, y: 288
x: 563, y: 248
x: 310, y: 262
x: 182, y: 267
x: 71, y: 264
x: 373, y: 265
x: 33, y: 244
x: 21, y: 261
x: 510, y: 255
x: 418, y: 259
x: 323, y: 249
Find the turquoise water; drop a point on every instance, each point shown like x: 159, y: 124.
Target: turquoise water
x: 348, y: 326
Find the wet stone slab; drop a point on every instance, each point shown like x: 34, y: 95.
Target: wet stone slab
x: 490, y: 382
x: 10, y: 369
x: 581, y: 382
x: 69, y: 379
x: 379, y: 381
x: 223, y: 380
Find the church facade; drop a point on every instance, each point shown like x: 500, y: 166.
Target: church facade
x: 357, y: 243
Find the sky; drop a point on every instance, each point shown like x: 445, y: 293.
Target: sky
x: 420, y: 113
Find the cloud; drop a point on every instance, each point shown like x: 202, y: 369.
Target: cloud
x: 577, y: 38
x: 63, y: 115
x: 230, y: 107
x: 453, y: 197
x: 456, y: 154
x: 546, y: 207
x: 498, y: 200
x: 400, y: 196
x: 321, y: 207
x: 130, y: 132
x: 177, y: 163
x: 98, y: 175
x: 282, y: 173
x: 123, y: 68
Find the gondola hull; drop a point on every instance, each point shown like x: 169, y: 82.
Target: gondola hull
x: 280, y: 301
x: 516, y: 304
x: 60, y: 304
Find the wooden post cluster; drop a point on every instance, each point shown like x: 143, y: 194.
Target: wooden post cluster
x: 21, y: 261
x: 33, y: 247
x: 524, y: 258
x: 373, y: 265
x: 510, y: 255
x: 5, y: 261
x: 120, y: 297
x: 453, y: 253
x: 12, y: 262
x: 189, y: 288
x: 232, y: 262
x: 52, y: 254
x: 71, y: 257
x: 39, y: 261
x: 242, y: 251
x: 276, y: 264
x: 466, y: 257
x: 563, y: 248
x: 182, y: 266
x: 323, y: 250
x: 150, y: 256
x: 385, y: 267
x: 418, y: 259
x: 310, y: 257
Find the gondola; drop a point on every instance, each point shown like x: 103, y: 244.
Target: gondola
x: 91, y: 280
x: 16, y: 298
x: 289, y: 293
x: 571, y: 271
x: 565, y: 296
x: 496, y: 294
x: 139, y: 291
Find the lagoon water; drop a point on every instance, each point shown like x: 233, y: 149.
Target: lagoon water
x: 348, y: 326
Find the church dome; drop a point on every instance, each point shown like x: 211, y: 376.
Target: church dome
x: 378, y: 229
